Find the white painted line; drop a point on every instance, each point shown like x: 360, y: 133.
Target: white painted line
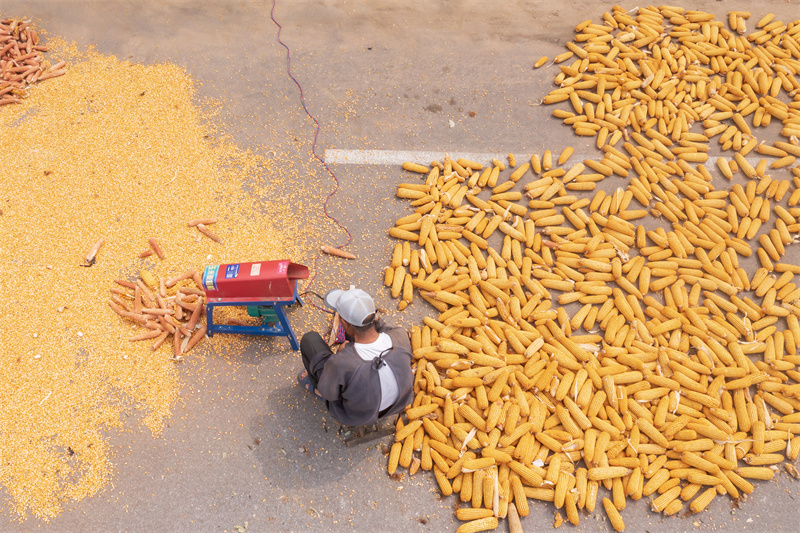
x: 398, y: 157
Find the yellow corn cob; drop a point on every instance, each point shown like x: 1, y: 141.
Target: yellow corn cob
x: 414, y: 167
x: 608, y: 472
x: 472, y: 416
x: 756, y: 472
x: 394, y: 457
x: 477, y: 488
x: 445, y: 450
x: 441, y: 479
x: 531, y: 478
x: 565, y: 155
x: 403, y: 234
x: 702, y: 501
x: 397, y: 281
x: 417, y: 412
x: 482, y: 524
x: 406, y: 451
x: 469, y: 513
x: 520, y: 499
x: 479, y: 464
x: 149, y: 279
x: 613, y: 515
x: 408, y: 429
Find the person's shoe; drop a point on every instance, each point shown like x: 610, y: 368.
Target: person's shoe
x: 305, y: 382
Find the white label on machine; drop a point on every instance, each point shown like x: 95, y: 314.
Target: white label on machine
x: 255, y: 269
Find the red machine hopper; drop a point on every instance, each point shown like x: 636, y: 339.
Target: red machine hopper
x: 262, y: 280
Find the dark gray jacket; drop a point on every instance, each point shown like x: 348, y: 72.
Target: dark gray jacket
x: 352, y: 388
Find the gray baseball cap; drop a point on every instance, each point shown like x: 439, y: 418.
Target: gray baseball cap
x: 355, y: 306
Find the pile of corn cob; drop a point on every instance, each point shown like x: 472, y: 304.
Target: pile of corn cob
x: 680, y: 387
x: 164, y: 307
x: 22, y: 60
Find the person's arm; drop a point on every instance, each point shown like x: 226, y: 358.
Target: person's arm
x: 400, y: 340
x: 333, y: 379
x: 399, y: 335
x: 318, y: 360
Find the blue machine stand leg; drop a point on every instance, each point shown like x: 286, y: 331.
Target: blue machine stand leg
x: 287, y: 329
x: 282, y: 328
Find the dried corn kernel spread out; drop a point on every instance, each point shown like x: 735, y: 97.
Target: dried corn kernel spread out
x: 588, y: 351
x: 116, y: 151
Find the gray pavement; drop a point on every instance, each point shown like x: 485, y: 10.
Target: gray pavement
x: 245, y: 445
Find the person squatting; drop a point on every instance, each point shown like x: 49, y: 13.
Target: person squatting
x: 370, y: 376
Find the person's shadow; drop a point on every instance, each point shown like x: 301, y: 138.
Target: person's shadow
x: 298, y: 444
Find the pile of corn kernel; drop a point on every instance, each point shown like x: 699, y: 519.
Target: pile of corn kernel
x: 584, y: 349
x: 116, y: 151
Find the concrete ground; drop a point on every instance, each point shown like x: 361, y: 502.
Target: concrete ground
x: 245, y: 445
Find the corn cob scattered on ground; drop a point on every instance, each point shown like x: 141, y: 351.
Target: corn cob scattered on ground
x: 616, y: 340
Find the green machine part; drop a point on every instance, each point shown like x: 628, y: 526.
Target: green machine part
x: 267, y: 312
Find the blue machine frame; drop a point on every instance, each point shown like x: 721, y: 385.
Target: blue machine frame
x: 280, y: 329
